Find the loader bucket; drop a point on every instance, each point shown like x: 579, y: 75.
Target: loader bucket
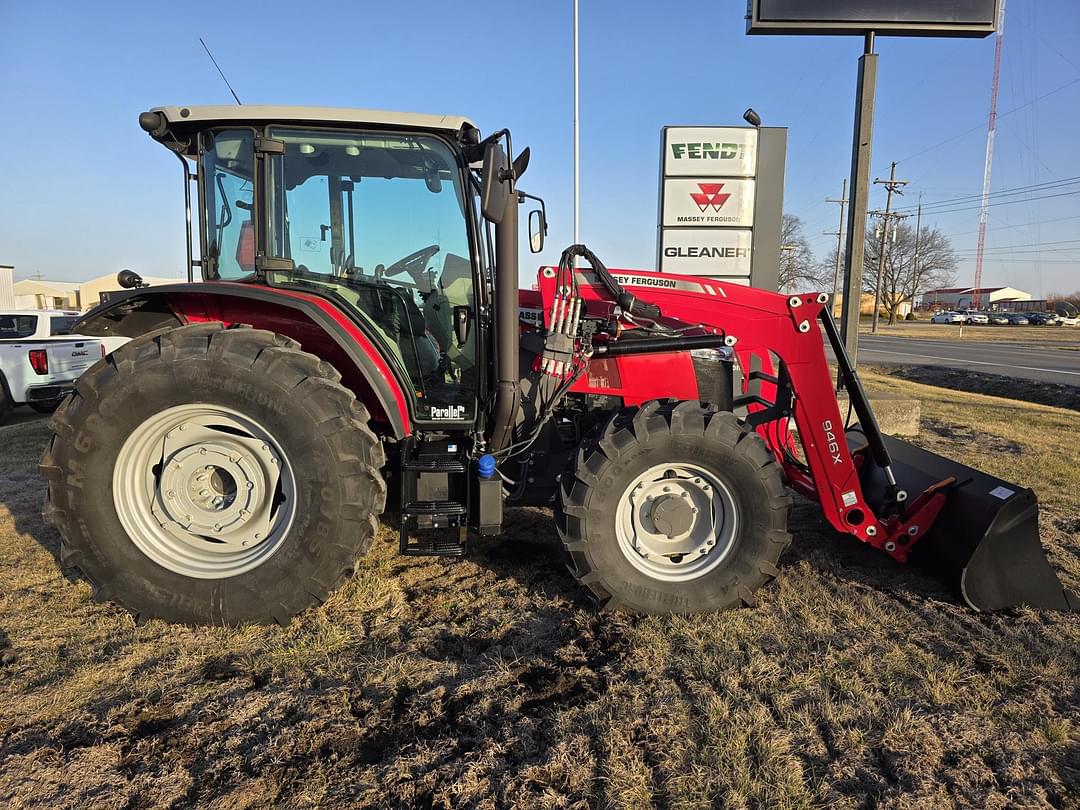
x: 985, y: 542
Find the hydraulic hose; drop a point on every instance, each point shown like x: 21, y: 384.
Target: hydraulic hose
x: 629, y: 302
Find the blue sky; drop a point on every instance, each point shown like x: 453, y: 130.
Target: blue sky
x: 84, y: 191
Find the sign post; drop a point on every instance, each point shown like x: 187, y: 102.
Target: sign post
x: 720, y: 203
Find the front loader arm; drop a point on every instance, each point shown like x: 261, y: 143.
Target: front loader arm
x: 779, y: 345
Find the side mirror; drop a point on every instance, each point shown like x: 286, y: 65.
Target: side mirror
x: 129, y: 279
x: 462, y: 323
x: 494, y: 188
x: 537, y: 230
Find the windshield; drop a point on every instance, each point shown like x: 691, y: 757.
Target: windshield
x: 378, y: 221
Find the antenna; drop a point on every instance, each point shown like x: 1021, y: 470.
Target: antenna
x: 220, y: 72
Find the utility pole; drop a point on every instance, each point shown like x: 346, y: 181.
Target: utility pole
x: 839, y: 234
x: 893, y: 186
x: 915, y: 259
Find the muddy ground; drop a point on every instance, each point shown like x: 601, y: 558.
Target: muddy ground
x: 491, y: 682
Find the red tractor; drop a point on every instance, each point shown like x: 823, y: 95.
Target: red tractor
x: 358, y: 345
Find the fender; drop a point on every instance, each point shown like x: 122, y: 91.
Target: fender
x: 319, y: 326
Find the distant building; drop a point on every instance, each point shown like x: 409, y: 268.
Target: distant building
x: 7, y: 286
x: 32, y: 293
x: 962, y: 297
x: 40, y: 294
x: 90, y: 291
x: 866, y: 306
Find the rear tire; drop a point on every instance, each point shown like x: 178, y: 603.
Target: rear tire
x: 619, y: 483
x: 309, y: 425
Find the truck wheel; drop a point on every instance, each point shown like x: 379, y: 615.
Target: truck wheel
x: 675, y: 508
x: 213, y: 476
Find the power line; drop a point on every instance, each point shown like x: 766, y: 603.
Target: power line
x: 940, y: 212
x: 981, y: 124
x: 1020, y: 225
x: 1046, y: 185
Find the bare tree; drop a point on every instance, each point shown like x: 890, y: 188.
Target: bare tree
x: 1066, y: 301
x: 797, y: 268
x: 912, y: 266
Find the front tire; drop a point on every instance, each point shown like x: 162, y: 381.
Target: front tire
x: 213, y: 476
x: 676, y: 508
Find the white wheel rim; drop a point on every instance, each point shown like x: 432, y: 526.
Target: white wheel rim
x: 204, y: 491
x: 676, y: 522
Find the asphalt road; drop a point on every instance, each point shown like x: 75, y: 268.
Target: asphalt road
x: 1027, y: 362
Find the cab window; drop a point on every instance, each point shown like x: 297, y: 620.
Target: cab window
x: 227, y: 158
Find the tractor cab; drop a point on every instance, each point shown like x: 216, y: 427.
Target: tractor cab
x: 380, y: 213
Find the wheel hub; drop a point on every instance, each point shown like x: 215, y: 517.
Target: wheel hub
x: 218, y: 486
x: 204, y: 491
x: 676, y: 521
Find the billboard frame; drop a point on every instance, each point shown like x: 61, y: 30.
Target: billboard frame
x: 883, y: 28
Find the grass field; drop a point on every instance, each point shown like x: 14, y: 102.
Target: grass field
x: 490, y: 682
x: 1067, y: 337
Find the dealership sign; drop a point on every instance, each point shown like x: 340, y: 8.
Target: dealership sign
x: 708, y: 202
x: 710, y: 151
x: 722, y: 253
x: 711, y: 214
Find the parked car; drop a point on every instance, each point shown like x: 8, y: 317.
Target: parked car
x: 948, y: 317
x: 1016, y: 319
x: 974, y: 316
x: 999, y: 318
x: 40, y: 359
x: 1041, y: 319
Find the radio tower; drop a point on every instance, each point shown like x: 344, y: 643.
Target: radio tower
x: 999, y: 39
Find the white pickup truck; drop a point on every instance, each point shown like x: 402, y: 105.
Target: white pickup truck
x: 40, y: 359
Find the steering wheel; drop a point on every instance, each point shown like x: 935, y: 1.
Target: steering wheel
x: 415, y: 263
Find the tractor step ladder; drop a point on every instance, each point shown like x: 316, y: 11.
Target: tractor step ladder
x: 434, y: 494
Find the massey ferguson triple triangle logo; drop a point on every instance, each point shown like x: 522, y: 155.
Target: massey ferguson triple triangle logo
x: 709, y: 196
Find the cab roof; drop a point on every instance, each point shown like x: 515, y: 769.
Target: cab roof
x: 333, y: 116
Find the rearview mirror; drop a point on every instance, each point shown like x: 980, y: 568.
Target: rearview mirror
x: 494, y: 188
x: 537, y: 230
